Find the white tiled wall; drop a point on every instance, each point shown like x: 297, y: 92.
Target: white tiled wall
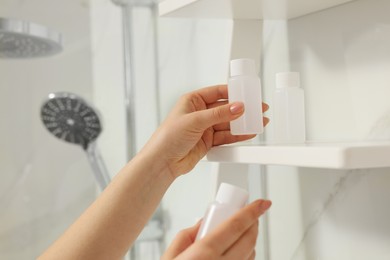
x: 343, y: 56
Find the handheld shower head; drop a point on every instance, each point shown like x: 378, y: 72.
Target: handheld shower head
x: 21, y: 40
x: 70, y: 118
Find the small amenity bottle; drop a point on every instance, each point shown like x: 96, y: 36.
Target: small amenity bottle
x: 289, y: 109
x: 228, y: 201
x: 244, y: 86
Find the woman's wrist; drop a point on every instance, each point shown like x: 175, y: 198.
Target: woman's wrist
x: 154, y: 163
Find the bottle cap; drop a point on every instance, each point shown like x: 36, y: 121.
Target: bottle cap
x: 287, y: 79
x: 232, y: 195
x: 242, y: 67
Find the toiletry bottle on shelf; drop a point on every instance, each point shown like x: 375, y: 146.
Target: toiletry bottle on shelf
x: 244, y: 86
x: 229, y: 200
x: 288, y: 109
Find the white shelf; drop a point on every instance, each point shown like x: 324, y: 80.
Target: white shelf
x: 244, y: 9
x: 316, y: 155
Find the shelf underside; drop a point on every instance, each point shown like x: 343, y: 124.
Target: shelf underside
x: 244, y: 9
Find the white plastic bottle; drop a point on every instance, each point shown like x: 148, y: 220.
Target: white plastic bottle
x: 228, y: 201
x: 244, y: 85
x: 289, y: 109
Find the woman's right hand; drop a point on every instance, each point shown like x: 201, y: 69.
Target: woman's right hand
x: 199, y: 121
x: 233, y: 239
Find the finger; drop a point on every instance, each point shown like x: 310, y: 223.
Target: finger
x: 215, y: 93
x: 265, y: 106
x: 182, y: 241
x: 252, y: 256
x: 265, y: 121
x: 226, y: 234
x: 222, y: 127
x: 226, y: 137
x: 209, y: 117
x: 226, y: 126
x: 212, y: 94
x: 217, y: 104
x: 244, y: 247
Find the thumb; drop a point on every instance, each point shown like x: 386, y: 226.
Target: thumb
x: 221, y: 114
x: 182, y: 241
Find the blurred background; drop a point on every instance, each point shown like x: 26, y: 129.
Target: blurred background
x: 131, y: 65
x: 47, y: 183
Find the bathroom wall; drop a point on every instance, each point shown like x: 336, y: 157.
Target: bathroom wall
x: 45, y: 183
x: 343, y: 56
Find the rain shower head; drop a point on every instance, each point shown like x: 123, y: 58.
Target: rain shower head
x: 70, y: 118
x: 21, y: 40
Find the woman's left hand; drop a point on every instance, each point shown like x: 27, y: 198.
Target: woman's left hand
x: 233, y: 239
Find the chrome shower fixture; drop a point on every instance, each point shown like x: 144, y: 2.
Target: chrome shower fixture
x: 23, y: 40
x: 70, y: 118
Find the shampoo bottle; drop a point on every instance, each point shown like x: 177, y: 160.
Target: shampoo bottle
x: 228, y: 201
x: 289, y: 109
x: 244, y: 86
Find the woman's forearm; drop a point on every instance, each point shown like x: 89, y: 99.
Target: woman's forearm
x: 113, y: 222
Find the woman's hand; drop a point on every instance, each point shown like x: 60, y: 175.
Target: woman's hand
x: 233, y: 239
x: 199, y: 121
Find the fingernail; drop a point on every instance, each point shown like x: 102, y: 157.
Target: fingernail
x: 265, y: 205
x: 236, y: 108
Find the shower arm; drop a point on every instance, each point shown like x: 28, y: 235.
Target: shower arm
x: 98, y: 167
